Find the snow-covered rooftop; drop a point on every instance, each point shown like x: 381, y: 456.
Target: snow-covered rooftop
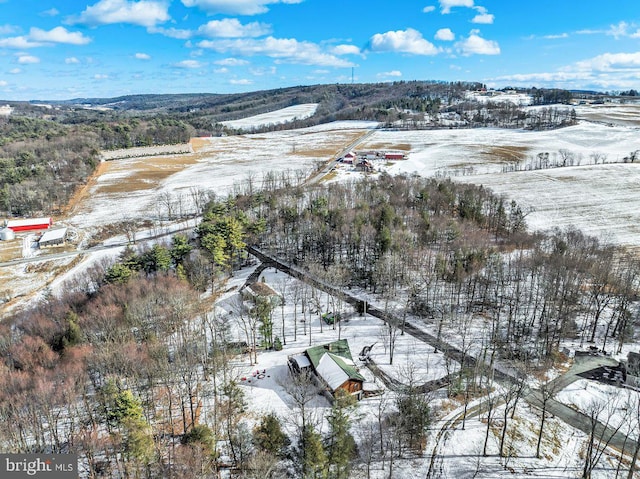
x: 331, y: 371
x: 53, y: 235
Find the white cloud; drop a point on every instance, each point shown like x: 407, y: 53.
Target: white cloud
x: 404, y: 41
x: 142, y: 56
x: 189, y: 64
x: 15, y: 71
x: 241, y: 81
x: 52, y: 12
x: 447, y: 5
x: 474, y: 44
x: 58, y: 35
x: 622, y: 29
x: 146, y: 13
x: 231, y: 62
x: 221, y: 70
x: 20, y: 42
x: 445, y: 34
x: 261, y: 71
x: 390, y: 74
x: 484, y: 18
x: 287, y: 50
x: 3, y: 83
x: 100, y: 76
x: 345, y: 50
x: 8, y: 29
x: 556, y: 36
x: 610, y: 62
x: 606, y: 71
x: 235, y: 7
x: 543, y: 77
x: 71, y: 60
x: 428, y: 9
x: 232, y: 28
x: 177, y: 33
x: 28, y: 59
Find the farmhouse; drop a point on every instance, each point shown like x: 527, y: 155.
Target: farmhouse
x: 333, y: 365
x: 52, y: 237
x: 29, y: 224
x: 364, y: 165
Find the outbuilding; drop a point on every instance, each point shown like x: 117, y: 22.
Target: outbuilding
x: 52, y: 237
x: 29, y: 224
x: 6, y: 234
x: 260, y: 289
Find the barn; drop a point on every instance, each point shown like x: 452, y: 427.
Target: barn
x: 29, y: 224
x: 349, y: 158
x: 394, y: 156
x: 333, y: 365
x: 52, y: 237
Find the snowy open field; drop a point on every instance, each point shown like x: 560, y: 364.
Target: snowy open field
x: 132, y: 188
x: 611, y: 114
x: 296, y: 112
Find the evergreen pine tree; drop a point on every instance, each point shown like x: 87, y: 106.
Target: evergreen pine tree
x: 340, y: 445
x: 313, y: 459
x: 268, y: 435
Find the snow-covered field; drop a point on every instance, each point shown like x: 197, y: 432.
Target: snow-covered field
x: 518, y: 99
x: 132, y: 188
x: 296, y: 112
x: 626, y: 114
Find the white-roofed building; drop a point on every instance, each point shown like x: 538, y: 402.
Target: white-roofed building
x: 52, y: 237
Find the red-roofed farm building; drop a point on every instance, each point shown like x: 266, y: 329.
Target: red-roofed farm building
x: 29, y: 224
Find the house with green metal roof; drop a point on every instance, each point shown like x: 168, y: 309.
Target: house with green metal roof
x: 333, y: 365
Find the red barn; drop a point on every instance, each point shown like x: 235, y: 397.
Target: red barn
x: 349, y: 158
x: 394, y: 156
x: 29, y: 224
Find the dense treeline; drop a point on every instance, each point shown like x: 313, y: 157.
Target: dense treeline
x: 41, y: 163
x: 43, y: 160
x: 133, y: 132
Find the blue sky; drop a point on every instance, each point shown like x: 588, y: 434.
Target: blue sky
x: 61, y: 49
